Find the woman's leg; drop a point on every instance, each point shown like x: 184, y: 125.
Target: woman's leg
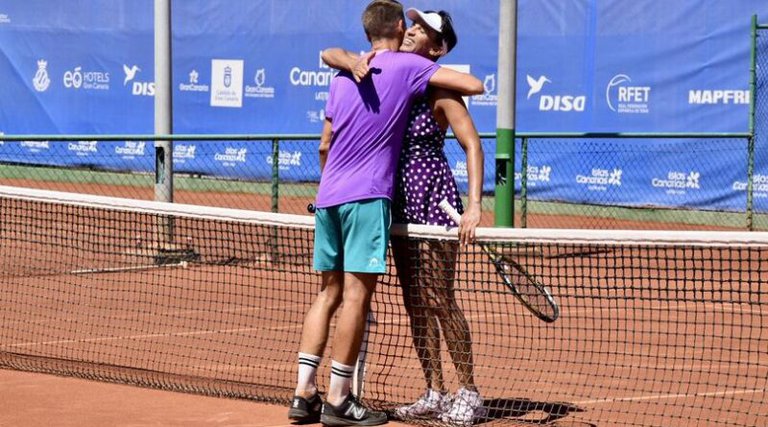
x: 441, y: 266
x: 425, y: 327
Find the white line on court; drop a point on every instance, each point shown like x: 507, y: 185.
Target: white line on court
x: 143, y: 314
x: 671, y: 396
x: 149, y: 336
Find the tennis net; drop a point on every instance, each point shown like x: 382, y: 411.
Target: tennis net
x: 655, y: 328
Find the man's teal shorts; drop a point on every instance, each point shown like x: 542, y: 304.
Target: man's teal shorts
x: 353, y: 237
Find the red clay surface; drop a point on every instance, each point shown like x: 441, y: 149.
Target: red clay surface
x: 38, y: 400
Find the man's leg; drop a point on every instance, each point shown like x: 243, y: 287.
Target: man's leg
x: 342, y: 408
x: 314, y: 334
x: 358, y: 290
x: 365, y: 231
x: 307, y: 404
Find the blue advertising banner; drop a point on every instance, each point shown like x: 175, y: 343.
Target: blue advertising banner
x: 253, y: 66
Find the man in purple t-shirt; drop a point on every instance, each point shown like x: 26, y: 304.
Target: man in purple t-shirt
x: 360, y: 146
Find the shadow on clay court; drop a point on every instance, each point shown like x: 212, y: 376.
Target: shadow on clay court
x: 528, y: 412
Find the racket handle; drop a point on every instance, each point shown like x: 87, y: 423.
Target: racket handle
x: 450, y: 210
x: 311, y: 208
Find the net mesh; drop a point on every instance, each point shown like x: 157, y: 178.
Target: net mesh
x: 655, y: 328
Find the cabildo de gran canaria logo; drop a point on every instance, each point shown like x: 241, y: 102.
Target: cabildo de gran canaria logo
x: 41, y: 81
x: 557, y: 102
x: 227, y: 83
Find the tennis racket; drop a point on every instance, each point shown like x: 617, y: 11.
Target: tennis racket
x: 534, y: 296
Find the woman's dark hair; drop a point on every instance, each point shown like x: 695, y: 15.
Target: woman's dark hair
x: 447, y: 34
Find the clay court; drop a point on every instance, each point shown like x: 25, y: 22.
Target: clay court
x: 647, y: 336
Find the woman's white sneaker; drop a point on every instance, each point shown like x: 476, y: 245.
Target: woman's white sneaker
x: 467, y: 408
x: 431, y: 403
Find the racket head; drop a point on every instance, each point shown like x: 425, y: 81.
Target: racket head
x: 528, y: 290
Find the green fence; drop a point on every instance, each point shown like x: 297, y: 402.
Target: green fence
x: 286, y: 190
x: 613, y: 148
x: 282, y: 193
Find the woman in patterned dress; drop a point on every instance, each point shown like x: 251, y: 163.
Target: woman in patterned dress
x: 426, y: 270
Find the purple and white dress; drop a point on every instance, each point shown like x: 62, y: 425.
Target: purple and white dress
x: 424, y: 177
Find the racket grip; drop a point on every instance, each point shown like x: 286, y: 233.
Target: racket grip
x: 450, y: 210
x: 311, y: 208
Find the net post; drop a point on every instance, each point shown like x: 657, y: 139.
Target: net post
x: 164, y: 189
x: 163, y: 117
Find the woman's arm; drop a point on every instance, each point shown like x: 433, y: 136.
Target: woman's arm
x: 450, y: 105
x: 464, y: 83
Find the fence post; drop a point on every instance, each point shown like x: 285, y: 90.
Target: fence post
x: 275, y: 174
x: 751, y: 140
x: 524, y: 184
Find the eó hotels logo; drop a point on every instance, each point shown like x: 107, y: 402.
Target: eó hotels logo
x: 86, y: 79
x: 41, y: 81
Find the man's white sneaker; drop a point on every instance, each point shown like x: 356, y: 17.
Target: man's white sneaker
x: 431, y: 403
x: 467, y: 408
